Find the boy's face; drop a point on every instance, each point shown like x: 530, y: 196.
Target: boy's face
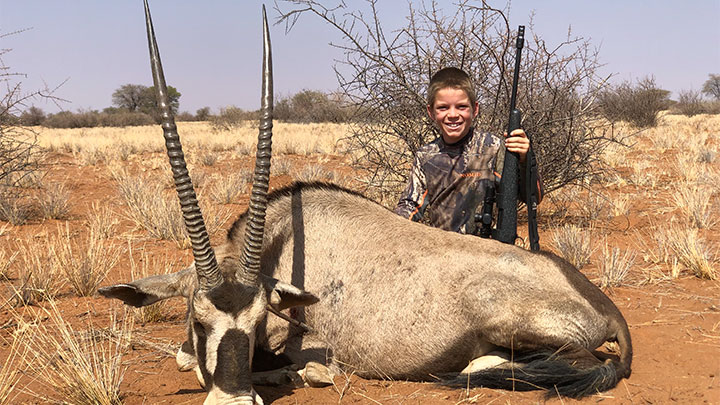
x: 453, y: 113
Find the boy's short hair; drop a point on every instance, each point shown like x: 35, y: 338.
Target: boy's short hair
x: 450, y: 77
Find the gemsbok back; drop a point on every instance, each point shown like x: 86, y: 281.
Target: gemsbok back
x: 359, y: 288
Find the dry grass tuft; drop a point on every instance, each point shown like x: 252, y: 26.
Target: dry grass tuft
x: 574, y: 244
x: 101, y: 220
x: 681, y: 248
x: 79, y: 367
x: 620, y: 205
x: 15, y: 210
x: 615, y: 267
x: 25, y: 179
x: 6, y: 260
x: 594, y: 207
x: 688, y: 169
x: 558, y: 205
x: 227, y: 189
x: 84, y: 263
x: 40, y: 278
x: 690, y: 251
x: 615, y: 155
x: 159, y: 213
x: 54, y: 201
x: 10, y: 370
x: 694, y: 202
x: 280, y: 166
x: 208, y: 158
x: 643, y: 174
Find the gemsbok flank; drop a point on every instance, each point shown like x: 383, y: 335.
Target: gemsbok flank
x: 360, y: 288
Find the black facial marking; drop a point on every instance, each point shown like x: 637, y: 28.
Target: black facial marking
x: 187, y: 346
x: 232, y: 372
x: 231, y: 297
x: 201, y: 353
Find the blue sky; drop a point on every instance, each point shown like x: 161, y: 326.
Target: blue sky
x: 211, y: 49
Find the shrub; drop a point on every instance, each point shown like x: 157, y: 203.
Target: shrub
x: 32, y: 116
x: 711, y: 87
x: 385, y: 76
x: 202, y: 114
x: 637, y: 104
x: 19, y: 154
x: 184, y: 116
x: 311, y: 106
x: 689, y: 103
x: 232, y: 117
x: 90, y: 119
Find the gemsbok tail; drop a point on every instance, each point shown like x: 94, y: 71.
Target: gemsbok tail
x: 553, y: 372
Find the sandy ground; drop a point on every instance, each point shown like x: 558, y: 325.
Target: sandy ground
x: 675, y: 324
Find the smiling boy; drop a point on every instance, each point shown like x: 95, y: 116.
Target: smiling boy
x: 451, y: 173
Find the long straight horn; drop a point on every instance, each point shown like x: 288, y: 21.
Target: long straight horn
x: 207, y: 268
x: 258, y: 200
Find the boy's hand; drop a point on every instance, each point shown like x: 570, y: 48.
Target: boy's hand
x: 518, y: 143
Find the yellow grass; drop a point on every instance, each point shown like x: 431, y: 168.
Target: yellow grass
x: 99, y: 145
x: 574, y: 244
x: 10, y: 370
x: 84, y: 261
x: 79, y: 367
x: 40, y: 277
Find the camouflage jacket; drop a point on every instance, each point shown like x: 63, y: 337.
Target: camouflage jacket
x: 452, y: 179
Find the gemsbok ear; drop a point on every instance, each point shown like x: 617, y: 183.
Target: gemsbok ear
x: 283, y: 295
x: 149, y: 290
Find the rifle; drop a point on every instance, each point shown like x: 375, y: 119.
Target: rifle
x: 508, y: 188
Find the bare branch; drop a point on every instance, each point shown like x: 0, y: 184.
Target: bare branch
x: 386, y: 75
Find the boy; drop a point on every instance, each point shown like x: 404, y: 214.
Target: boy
x: 451, y: 173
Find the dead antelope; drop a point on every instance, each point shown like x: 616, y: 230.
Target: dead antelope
x: 391, y: 298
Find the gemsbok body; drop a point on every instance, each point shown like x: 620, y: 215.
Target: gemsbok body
x: 362, y: 289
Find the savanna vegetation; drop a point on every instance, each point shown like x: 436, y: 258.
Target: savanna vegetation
x: 635, y: 206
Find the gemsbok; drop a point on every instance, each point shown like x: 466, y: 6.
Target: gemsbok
x: 359, y: 288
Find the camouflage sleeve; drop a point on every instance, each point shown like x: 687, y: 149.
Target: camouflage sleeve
x: 413, y: 200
